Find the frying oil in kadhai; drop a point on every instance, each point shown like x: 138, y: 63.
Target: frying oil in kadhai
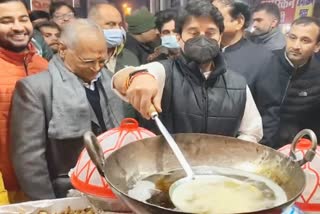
x: 228, y: 191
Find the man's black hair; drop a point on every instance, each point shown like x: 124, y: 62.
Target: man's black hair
x: 199, y: 8
x: 50, y: 24
x: 165, y: 16
x: 39, y: 14
x: 54, y: 6
x: 238, y: 9
x: 307, y: 21
x: 270, y: 8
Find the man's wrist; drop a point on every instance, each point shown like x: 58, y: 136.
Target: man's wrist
x: 135, y: 74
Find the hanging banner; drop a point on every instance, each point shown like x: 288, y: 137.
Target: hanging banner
x: 40, y: 5
x: 287, y: 9
x: 304, y: 8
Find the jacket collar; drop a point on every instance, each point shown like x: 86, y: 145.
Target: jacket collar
x: 132, y: 40
x: 264, y: 38
x: 235, y: 46
x: 288, y: 66
x: 194, y: 70
x: 18, y: 58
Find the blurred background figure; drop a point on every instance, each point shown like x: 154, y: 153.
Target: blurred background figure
x: 61, y: 13
x: 142, y: 36
x: 169, y: 48
x: 108, y: 17
x: 38, y: 16
x: 265, y: 26
x: 51, y: 33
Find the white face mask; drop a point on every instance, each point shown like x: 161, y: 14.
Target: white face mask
x: 114, y: 37
x: 170, y: 41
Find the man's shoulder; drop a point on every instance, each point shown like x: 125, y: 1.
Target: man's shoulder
x: 129, y: 58
x: 37, y: 81
x: 255, y: 50
x: 235, y: 79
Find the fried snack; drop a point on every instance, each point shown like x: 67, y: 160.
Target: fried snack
x: 68, y: 210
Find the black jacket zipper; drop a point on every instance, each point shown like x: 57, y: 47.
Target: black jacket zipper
x: 287, y: 86
x: 205, y: 100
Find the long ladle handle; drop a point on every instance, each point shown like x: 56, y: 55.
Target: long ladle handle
x: 94, y: 151
x: 172, y: 143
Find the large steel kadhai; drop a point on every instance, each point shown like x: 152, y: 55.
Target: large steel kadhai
x: 153, y: 159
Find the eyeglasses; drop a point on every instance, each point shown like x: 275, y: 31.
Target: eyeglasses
x: 91, y: 63
x: 64, y: 16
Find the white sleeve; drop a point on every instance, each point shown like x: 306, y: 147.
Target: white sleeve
x: 154, y: 68
x: 251, y: 123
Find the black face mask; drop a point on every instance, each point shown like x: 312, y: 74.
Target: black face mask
x: 201, y: 49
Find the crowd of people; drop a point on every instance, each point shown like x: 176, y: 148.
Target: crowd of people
x: 213, y: 66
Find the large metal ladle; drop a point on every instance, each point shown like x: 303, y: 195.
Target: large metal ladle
x: 173, y: 145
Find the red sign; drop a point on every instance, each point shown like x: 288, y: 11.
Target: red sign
x: 287, y: 9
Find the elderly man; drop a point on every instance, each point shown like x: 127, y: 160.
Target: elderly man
x: 18, y: 59
x: 57, y: 107
x: 110, y: 20
x: 262, y: 81
x: 265, y: 23
x: 299, y: 80
x: 199, y: 93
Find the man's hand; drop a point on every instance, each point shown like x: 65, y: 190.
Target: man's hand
x: 142, y: 93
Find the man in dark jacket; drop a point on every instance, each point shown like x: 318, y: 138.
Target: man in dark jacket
x: 196, y: 91
x: 142, y: 34
x: 251, y: 61
x: 265, y: 23
x: 110, y: 20
x: 299, y: 80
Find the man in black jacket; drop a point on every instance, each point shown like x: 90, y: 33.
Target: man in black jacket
x: 299, y: 80
x: 251, y: 61
x: 142, y: 34
x: 195, y: 92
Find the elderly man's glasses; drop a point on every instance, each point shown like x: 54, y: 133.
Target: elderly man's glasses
x: 66, y: 16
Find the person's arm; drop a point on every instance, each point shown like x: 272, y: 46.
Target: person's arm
x: 268, y: 98
x: 144, y: 90
x: 251, y: 123
x: 28, y: 143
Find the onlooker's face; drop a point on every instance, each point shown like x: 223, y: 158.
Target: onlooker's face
x: 150, y: 35
x: 302, y: 43
x: 168, y: 28
x: 108, y: 18
x: 15, y: 26
x: 63, y: 15
x: 231, y: 25
x: 263, y: 22
x: 88, y: 57
x: 197, y: 26
x: 51, y: 36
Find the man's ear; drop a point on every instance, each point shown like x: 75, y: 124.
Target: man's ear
x: 317, y: 48
x: 240, y: 22
x: 62, y: 49
x: 274, y: 23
